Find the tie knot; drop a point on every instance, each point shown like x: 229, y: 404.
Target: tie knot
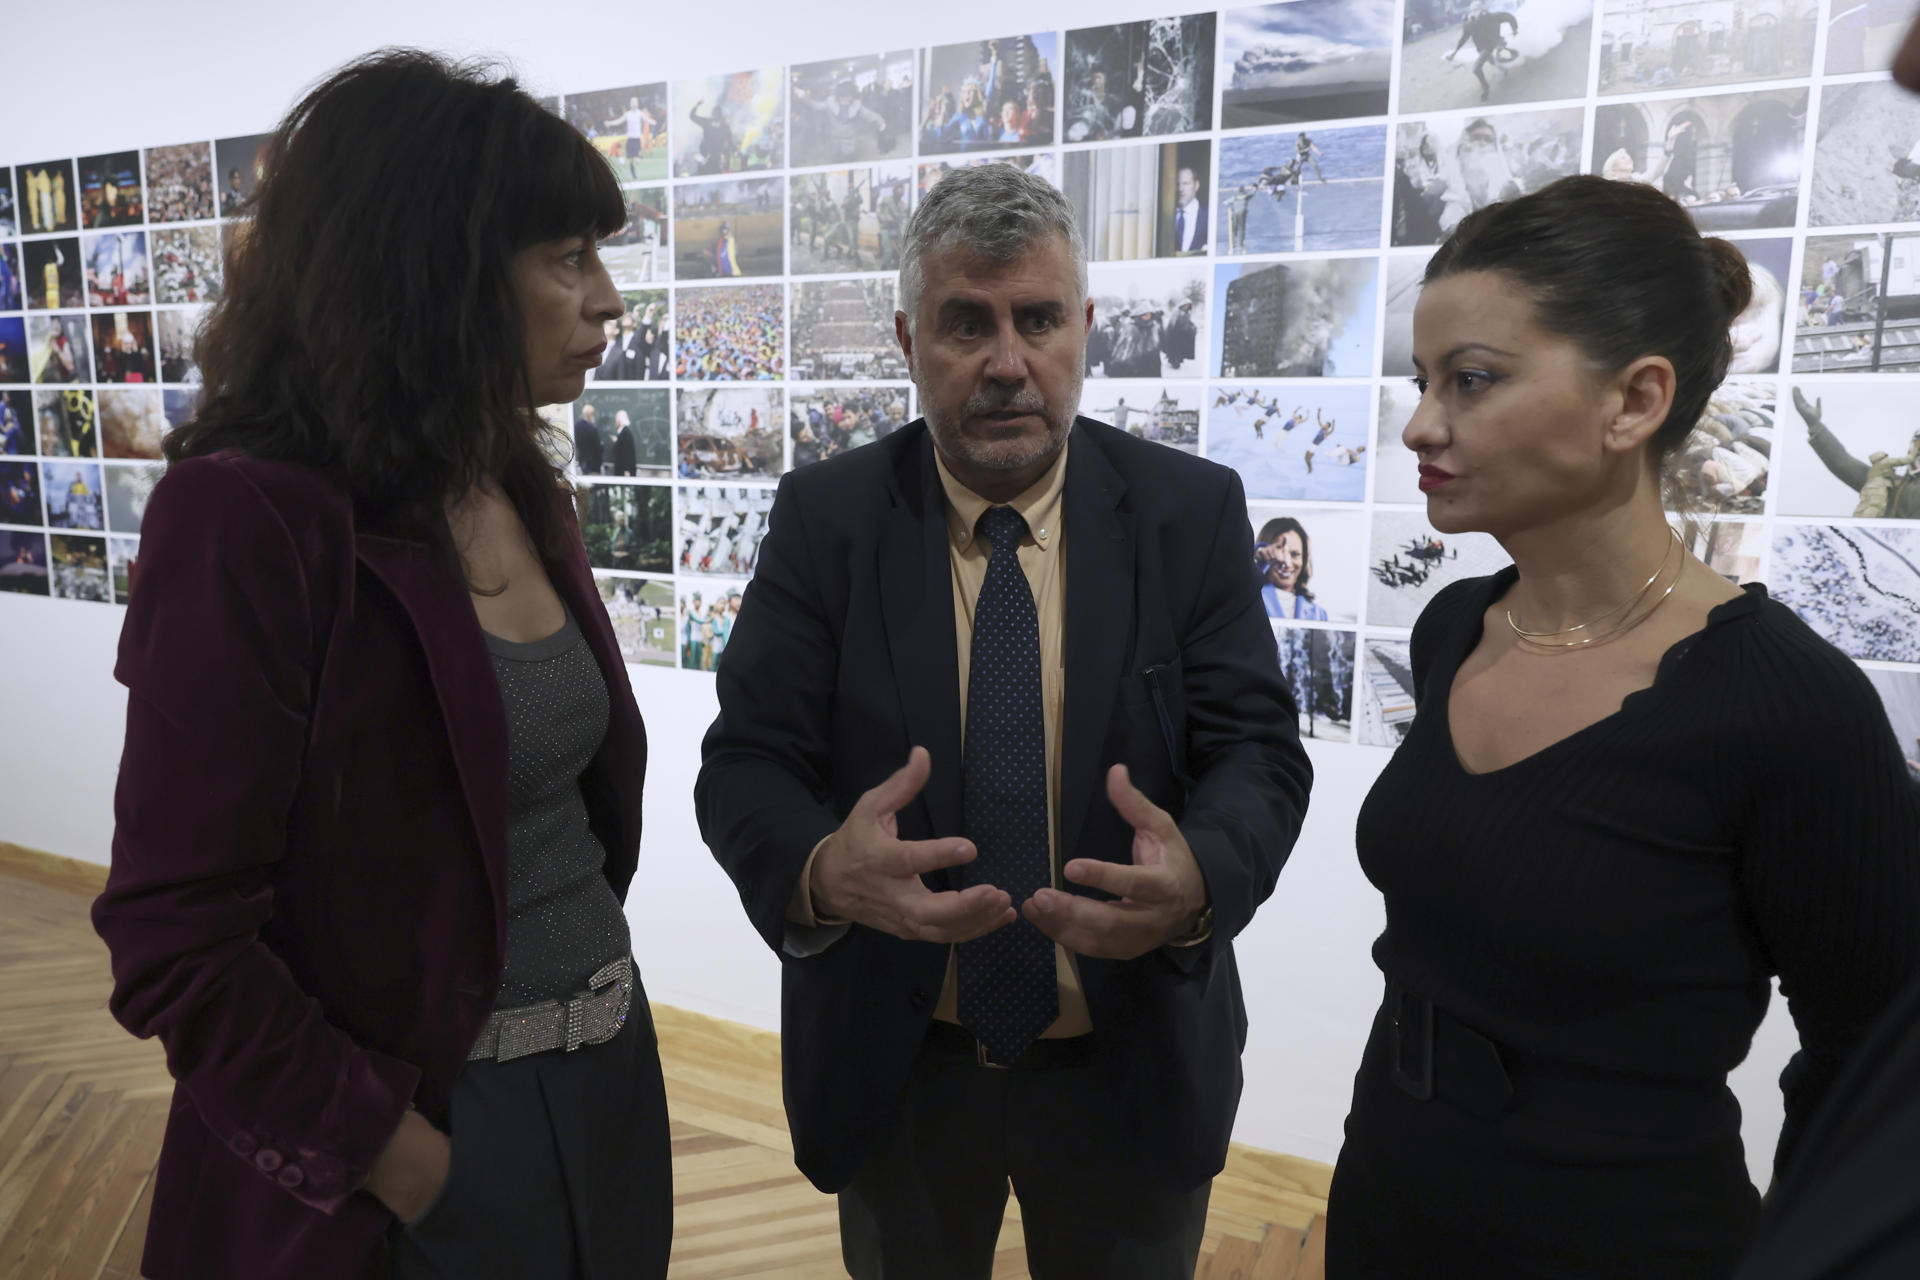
x: 1003, y: 527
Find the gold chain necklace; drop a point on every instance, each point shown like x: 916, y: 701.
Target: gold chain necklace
x: 1541, y: 638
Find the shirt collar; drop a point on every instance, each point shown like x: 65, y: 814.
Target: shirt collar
x: 1039, y: 504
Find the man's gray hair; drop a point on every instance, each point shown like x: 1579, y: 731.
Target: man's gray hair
x: 997, y: 211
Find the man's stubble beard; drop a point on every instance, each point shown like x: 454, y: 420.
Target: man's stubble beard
x: 1003, y: 455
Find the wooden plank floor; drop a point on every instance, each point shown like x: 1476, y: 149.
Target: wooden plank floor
x: 83, y: 1104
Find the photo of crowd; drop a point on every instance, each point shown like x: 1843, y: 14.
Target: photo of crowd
x: 1145, y: 201
x: 1866, y: 163
x: 123, y: 346
x: 825, y: 421
x: 1858, y: 586
x: 727, y: 229
x: 849, y: 219
x: 51, y: 274
x: 728, y: 433
x: 49, y: 200
x: 627, y: 527
x: 628, y: 126
x: 720, y: 528
x: 179, y: 330
x: 853, y: 110
x: 69, y: 424
x: 730, y: 123
x: 731, y: 333
x: 644, y: 625
x: 1139, y: 79
x: 1148, y: 321
x: 1855, y: 452
x: 640, y: 342
x: 1733, y: 159
x: 110, y: 192
x: 60, y: 349
x: 988, y: 95
x: 623, y: 431
x: 237, y: 166
x: 118, y: 272
x: 80, y: 568
x: 1658, y: 44
x: 187, y: 265
x: 1727, y: 461
x: 132, y: 420
x: 1457, y: 54
x: 1294, y: 442
x: 1306, y: 60
x: 637, y: 253
x: 23, y: 556
x: 843, y: 331
x: 1449, y: 166
x: 1291, y: 191
x: 706, y: 621
x: 1311, y: 319
x: 1158, y: 412
x: 179, y: 183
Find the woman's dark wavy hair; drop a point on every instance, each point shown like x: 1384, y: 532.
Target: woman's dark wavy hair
x: 1620, y: 269
x: 368, y: 327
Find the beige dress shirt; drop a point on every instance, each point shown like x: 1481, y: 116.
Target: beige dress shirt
x: 1043, y: 559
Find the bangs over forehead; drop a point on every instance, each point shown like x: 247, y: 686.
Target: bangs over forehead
x: 564, y: 186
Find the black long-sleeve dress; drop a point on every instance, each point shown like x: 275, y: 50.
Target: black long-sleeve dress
x: 1579, y: 946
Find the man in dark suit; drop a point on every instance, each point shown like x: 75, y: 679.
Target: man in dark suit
x: 1002, y: 821
x: 1189, y: 214
x: 589, y: 450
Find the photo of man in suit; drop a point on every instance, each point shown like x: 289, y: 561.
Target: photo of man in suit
x: 1000, y: 821
x: 1189, y: 214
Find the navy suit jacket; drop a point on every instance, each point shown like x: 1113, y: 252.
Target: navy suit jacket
x: 843, y: 658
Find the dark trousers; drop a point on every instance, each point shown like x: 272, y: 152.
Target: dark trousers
x: 562, y: 1169
x: 928, y: 1202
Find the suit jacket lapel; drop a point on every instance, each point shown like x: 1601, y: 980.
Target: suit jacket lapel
x: 1099, y: 628
x: 463, y: 681
x: 916, y: 602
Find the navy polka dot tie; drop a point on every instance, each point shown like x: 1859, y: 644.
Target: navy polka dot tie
x: 1007, y: 988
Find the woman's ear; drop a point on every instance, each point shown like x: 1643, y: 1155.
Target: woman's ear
x: 1646, y: 389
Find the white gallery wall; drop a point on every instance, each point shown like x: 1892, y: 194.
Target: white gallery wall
x: 195, y: 70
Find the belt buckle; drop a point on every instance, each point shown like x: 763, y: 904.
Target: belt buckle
x: 1412, y: 1043
x: 980, y: 1056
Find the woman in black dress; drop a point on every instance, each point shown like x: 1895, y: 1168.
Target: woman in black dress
x: 1633, y: 793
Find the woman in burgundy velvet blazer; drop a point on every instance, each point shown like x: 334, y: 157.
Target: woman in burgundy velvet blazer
x: 307, y: 903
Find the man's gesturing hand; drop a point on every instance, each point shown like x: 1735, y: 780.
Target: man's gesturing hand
x: 867, y: 874
x: 1160, y: 896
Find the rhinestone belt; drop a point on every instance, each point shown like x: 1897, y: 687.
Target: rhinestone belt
x: 594, y: 1016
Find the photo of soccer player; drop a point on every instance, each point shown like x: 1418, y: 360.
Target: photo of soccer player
x: 853, y: 110
x: 179, y: 183
x: 51, y: 276
x: 849, y: 219
x: 730, y: 124
x: 722, y: 230
x: 988, y: 95
x: 628, y: 126
x: 110, y: 191
x: 1139, y: 79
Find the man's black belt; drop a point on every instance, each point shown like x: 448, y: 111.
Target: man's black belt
x: 1042, y: 1055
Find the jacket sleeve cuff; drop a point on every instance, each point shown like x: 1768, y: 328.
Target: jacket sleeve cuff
x: 375, y: 1093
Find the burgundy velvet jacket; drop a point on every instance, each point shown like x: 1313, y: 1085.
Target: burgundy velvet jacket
x: 307, y: 900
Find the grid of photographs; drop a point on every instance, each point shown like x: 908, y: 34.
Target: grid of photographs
x: 1259, y: 188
